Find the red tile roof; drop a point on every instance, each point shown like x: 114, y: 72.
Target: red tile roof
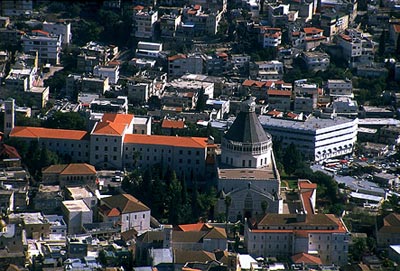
x: 194, y: 227
x: 277, y: 92
x: 306, y: 259
x: 312, y: 30
x: 39, y: 132
x: 173, y: 124
x: 303, y: 184
x: 40, y: 32
x: 109, y: 128
x: 71, y: 169
x: 274, y: 113
x: 125, y: 203
x: 250, y: 83
x: 176, y: 141
x: 117, y: 118
x: 175, y: 57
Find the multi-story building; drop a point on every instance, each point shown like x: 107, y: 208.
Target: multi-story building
x: 112, y: 144
x: 144, y: 22
x: 316, y: 61
x: 270, y: 36
x: 337, y: 88
x: 279, y: 99
x: 181, y: 64
x: 112, y: 72
x: 149, y: 49
x: 286, y: 235
x: 186, y: 84
x: 266, y: 70
x: 169, y: 24
x: 357, y: 47
x: 334, y: 23
x: 204, y: 22
x: 127, y: 211
x: 47, y: 45
x: 310, y: 38
x: 16, y: 7
x: 109, y: 105
x: 59, y: 28
x: 76, y: 213
x: 317, y: 139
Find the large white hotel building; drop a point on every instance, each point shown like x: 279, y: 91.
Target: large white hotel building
x: 317, y: 139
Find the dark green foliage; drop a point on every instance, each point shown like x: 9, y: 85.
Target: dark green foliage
x: 68, y: 120
x: 168, y: 196
x: 292, y: 159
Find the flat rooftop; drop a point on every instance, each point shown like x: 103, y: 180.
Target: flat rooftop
x: 75, y: 205
x: 311, y: 124
x: 254, y: 174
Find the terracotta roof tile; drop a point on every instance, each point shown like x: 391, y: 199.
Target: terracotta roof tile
x: 117, y: 118
x: 40, y: 32
x: 277, y: 92
x: 194, y: 227
x: 109, y: 128
x: 305, y: 184
x: 174, y: 124
x: 312, y: 30
x: 70, y: 169
x: 306, y: 258
x: 175, y: 57
x: 125, y: 203
x: 39, y: 132
x: 176, y: 141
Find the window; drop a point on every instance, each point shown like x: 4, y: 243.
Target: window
x: 115, y: 148
x: 105, y: 148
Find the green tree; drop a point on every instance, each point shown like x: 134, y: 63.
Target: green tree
x: 174, y: 200
x: 382, y: 43
x: 228, y: 202
x: 264, y: 206
x: 292, y: 159
x: 68, y: 120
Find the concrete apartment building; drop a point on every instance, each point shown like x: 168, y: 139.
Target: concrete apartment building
x: 181, y: 64
x: 270, y: 36
x: 316, y: 61
x: 16, y: 7
x: 76, y: 213
x: 317, y: 139
x: 149, y: 49
x: 112, y: 72
x: 59, y: 28
x: 47, y: 45
x: 205, y: 22
x: 340, y: 88
x: 169, y: 23
x: 358, y: 48
x: 144, y: 22
x: 286, y: 235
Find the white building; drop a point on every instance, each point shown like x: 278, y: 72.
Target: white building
x: 267, y: 70
x: 48, y: 46
x: 271, y: 37
x: 76, y: 213
x: 59, y: 28
x: 316, y: 61
x: 317, y: 139
x: 357, y: 47
x: 148, y: 49
x: 144, y: 23
x: 112, y: 72
x: 127, y: 211
x: 338, y: 88
x: 345, y: 106
x: 286, y: 235
x: 240, y: 60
